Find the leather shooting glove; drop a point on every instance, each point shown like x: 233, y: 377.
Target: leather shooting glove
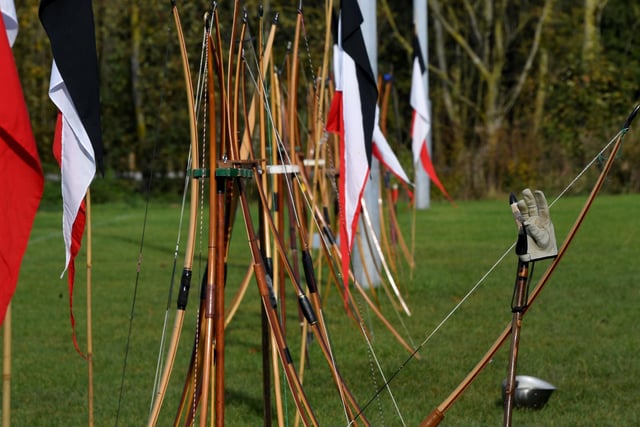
x: 541, y: 237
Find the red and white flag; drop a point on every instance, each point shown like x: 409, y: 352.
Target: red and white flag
x: 383, y: 152
x: 352, y: 117
x: 421, y: 120
x: 74, y: 89
x: 10, y: 17
x: 21, y: 179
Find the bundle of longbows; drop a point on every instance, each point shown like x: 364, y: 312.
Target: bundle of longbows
x: 229, y: 161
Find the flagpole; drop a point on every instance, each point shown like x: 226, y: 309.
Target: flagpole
x: 422, y: 197
x: 367, y: 260
x: 414, y: 214
x: 6, y: 369
x: 89, y: 300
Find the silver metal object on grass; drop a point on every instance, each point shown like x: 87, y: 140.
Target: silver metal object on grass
x: 530, y: 392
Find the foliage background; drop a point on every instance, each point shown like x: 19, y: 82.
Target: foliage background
x: 584, y: 99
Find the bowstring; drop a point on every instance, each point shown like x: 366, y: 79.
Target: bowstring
x: 201, y: 89
x: 597, y: 158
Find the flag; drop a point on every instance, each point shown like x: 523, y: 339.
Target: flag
x: 74, y: 89
x: 421, y: 121
x: 383, y: 152
x: 352, y: 117
x: 10, y: 18
x: 21, y: 179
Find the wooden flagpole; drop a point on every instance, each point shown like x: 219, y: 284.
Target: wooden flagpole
x: 89, y: 314
x: 6, y: 369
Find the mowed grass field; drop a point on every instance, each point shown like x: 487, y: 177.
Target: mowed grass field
x: 581, y: 334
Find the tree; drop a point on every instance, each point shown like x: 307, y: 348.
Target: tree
x: 484, y: 58
x: 591, y: 47
x: 518, y: 93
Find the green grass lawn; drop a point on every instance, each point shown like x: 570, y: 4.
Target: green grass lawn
x: 579, y: 335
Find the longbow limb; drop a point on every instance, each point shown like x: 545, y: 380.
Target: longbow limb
x: 185, y: 281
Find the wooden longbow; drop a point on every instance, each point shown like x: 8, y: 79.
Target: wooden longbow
x: 437, y: 415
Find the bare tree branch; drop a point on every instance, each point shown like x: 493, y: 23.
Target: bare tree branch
x: 459, y: 39
x: 515, y: 92
x: 386, y: 10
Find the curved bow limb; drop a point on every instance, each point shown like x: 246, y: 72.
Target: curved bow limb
x: 386, y: 82
x: 293, y: 88
x: 367, y: 276
x: 259, y: 95
x: 232, y: 43
x: 378, y: 248
x: 437, y: 415
x: 385, y: 236
x: 398, y: 232
x: 319, y: 108
x: 185, y: 281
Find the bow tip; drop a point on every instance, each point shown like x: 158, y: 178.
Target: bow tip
x: 632, y: 116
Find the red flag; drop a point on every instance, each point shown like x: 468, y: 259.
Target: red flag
x: 74, y: 89
x: 21, y: 180
x: 421, y: 121
x: 352, y: 117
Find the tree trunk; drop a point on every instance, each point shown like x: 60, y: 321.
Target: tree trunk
x: 541, y: 92
x: 136, y: 90
x: 591, y: 45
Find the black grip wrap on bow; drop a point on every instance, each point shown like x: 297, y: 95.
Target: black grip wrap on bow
x: 307, y: 310
x: 287, y: 355
x: 327, y: 232
x: 272, y: 296
x: 325, y: 214
x: 274, y: 202
x: 185, y: 284
x: 268, y: 266
x: 309, y: 272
